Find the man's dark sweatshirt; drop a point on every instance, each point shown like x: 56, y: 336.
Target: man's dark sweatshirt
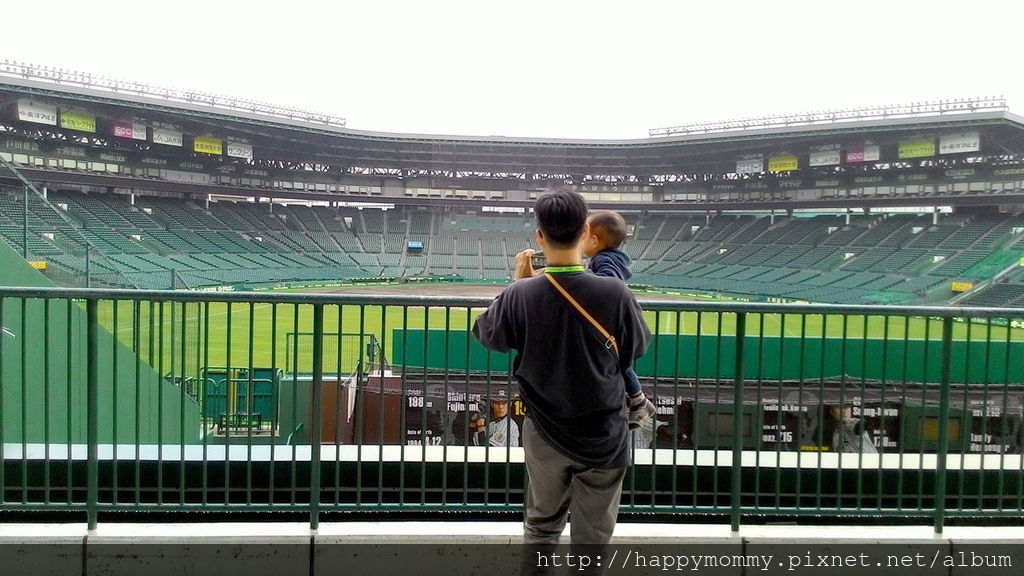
x: 571, y: 382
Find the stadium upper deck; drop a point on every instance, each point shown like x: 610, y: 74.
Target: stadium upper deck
x: 959, y: 156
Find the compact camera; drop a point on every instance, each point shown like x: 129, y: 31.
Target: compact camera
x: 538, y: 260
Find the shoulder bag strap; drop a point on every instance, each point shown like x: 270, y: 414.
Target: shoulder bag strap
x: 610, y: 342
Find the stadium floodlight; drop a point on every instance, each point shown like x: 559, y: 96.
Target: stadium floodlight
x: 61, y: 76
x: 916, y: 109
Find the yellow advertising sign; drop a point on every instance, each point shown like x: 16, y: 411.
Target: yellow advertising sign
x: 207, y: 145
x: 79, y: 121
x: 917, y: 149
x: 783, y: 163
x: 962, y: 286
x: 38, y: 264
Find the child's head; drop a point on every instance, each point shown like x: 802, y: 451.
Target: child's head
x: 607, y: 231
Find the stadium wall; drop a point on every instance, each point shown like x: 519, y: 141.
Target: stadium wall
x: 765, y: 358
x: 43, y: 376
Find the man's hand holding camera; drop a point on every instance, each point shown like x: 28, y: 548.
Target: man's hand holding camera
x: 524, y: 265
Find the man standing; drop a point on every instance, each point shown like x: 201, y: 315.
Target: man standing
x: 574, y: 335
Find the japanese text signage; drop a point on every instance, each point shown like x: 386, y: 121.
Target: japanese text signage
x: 133, y: 130
x: 783, y: 163
x: 960, y: 142
x: 78, y: 121
x: 37, y: 112
x: 750, y: 165
x: 239, y: 150
x: 167, y: 135
x: 865, y: 153
x: 207, y: 145
x: 920, y: 148
x: 825, y: 156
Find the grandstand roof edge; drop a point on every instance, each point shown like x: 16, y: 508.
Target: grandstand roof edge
x: 120, y: 98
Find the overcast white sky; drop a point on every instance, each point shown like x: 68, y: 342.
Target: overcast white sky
x: 579, y: 69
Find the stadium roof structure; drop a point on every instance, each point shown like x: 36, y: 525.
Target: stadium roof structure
x: 293, y: 140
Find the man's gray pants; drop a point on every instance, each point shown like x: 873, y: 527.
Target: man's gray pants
x: 560, y: 487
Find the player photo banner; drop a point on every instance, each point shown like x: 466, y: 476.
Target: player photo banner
x: 960, y: 142
x: 132, y: 130
x: 207, y: 145
x: 167, y: 135
x: 919, y: 148
x: 825, y: 156
x: 786, y: 163
x: 37, y: 112
x: 865, y: 153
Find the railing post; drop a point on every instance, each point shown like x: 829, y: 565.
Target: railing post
x: 92, y: 412
x: 940, y: 464
x: 314, y: 433
x: 737, y: 422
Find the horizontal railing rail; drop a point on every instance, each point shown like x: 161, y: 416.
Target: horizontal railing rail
x: 136, y: 400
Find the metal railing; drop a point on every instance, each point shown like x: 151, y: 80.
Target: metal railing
x: 764, y: 409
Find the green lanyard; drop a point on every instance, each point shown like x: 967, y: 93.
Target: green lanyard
x: 564, y: 269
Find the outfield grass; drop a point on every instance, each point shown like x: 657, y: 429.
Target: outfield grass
x: 213, y: 334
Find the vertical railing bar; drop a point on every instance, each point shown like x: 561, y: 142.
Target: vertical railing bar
x: 487, y: 438
x: 737, y: 423
x: 900, y: 497
x: 314, y: 438
x: 985, y: 415
x: 230, y: 399
x: 465, y: 417
x: 72, y: 336
x: 655, y: 393
x: 924, y: 403
x: 404, y: 399
x: 293, y: 448
x: 844, y: 333
x: 883, y: 417
x: 967, y: 431
x: 275, y: 399
x: 160, y: 407
x: 423, y: 409
x: 250, y: 400
x: 693, y: 412
x: 445, y: 416
x: 137, y: 335
x: 92, y: 414
x: 361, y: 407
x: 380, y: 416
x: 183, y: 398
x: 115, y: 385
x: 863, y: 417
x: 718, y: 406
x: 823, y: 349
x: 944, y: 394
x: 674, y: 444
x: 779, y: 415
x: 759, y: 433
x: 46, y: 406
x: 202, y: 415
x: 339, y: 354
x: 24, y: 399
x: 802, y: 356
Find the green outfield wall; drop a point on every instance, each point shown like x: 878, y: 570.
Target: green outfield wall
x: 43, y: 376
x: 765, y: 358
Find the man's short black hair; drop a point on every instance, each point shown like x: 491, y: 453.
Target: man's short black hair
x: 561, y: 216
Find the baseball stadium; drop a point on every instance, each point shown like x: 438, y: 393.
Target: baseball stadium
x: 220, y: 306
